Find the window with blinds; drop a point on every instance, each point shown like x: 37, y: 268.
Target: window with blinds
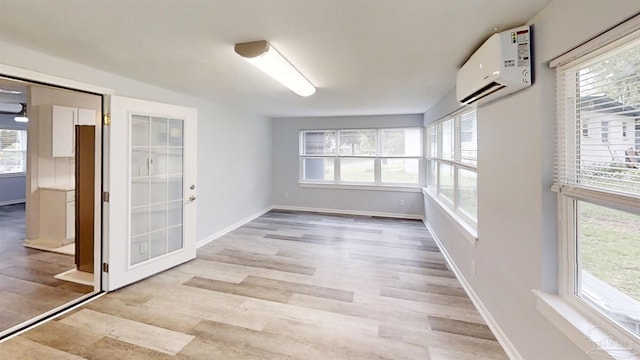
x: 598, y: 178
x: 13, y: 151
x: 599, y: 127
x: 452, y: 157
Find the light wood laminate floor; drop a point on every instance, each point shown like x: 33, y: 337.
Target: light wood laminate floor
x: 27, y: 284
x: 284, y: 286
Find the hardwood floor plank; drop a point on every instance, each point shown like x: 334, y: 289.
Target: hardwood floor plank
x: 243, y: 289
x: 260, y: 261
x: 297, y: 288
x: 458, y: 327
x: 397, y: 261
x: 23, y: 349
x: 132, y: 332
x: 75, y: 341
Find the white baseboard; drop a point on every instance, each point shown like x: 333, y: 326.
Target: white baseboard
x: 348, y: 212
x: 12, y: 202
x: 232, y: 227
x: 502, y: 338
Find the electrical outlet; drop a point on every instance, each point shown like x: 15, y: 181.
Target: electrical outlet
x: 286, y: 195
x: 401, y: 203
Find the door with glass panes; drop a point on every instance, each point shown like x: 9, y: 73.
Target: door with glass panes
x: 152, y: 190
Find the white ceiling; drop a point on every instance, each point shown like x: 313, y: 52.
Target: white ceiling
x: 364, y: 56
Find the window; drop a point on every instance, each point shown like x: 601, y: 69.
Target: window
x: 361, y: 156
x: 13, y: 151
x: 452, y: 156
x: 599, y: 184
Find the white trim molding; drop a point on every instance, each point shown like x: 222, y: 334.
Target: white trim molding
x: 500, y: 335
x: 348, y: 212
x: 593, y: 339
x: 231, y: 227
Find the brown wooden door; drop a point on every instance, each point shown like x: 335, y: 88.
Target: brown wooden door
x: 85, y: 188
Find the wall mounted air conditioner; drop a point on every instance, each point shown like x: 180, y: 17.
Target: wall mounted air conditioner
x: 501, y: 66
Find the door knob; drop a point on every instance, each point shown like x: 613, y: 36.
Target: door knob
x: 192, y: 187
x: 192, y: 198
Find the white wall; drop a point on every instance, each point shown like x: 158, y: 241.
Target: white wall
x: 286, y: 160
x: 12, y: 188
x: 517, y: 247
x: 234, y: 146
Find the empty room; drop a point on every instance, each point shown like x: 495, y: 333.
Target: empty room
x: 338, y: 179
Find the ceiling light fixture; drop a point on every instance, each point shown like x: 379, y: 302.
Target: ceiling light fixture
x: 268, y: 59
x: 22, y: 116
x: 11, y: 92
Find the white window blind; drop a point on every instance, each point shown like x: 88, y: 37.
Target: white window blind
x: 13, y: 151
x: 599, y: 121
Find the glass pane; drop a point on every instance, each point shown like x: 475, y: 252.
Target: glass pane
x: 400, y: 171
x: 139, y: 249
x: 318, y: 143
x: 175, y: 188
x: 609, y: 249
x: 139, y: 221
x: 158, y: 132
x: 139, y: 162
x: 175, y: 213
x: 13, y: 151
x: 158, y: 161
x: 175, y: 132
x: 432, y: 173
x: 468, y: 193
x: 174, y: 161
x: 448, y: 139
x: 446, y: 181
x: 469, y: 138
x: 433, y: 141
x: 357, y: 170
x: 139, y: 192
x: 158, y: 242
x: 401, y: 142
x: 175, y: 238
x: 158, y: 192
x: 139, y: 130
x: 358, y: 142
x: 318, y: 169
x: 158, y: 217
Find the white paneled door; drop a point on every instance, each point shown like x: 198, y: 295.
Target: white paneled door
x: 150, y: 176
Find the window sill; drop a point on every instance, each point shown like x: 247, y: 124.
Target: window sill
x: 400, y: 188
x: 588, y: 335
x: 469, y: 232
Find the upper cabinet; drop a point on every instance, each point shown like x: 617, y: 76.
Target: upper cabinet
x: 57, y: 129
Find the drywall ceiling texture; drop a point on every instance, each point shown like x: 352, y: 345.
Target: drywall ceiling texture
x: 517, y: 247
x: 365, y: 56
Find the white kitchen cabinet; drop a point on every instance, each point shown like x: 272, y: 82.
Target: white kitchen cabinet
x: 57, y: 215
x: 57, y: 128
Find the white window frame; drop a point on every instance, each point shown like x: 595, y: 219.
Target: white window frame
x: 451, y: 205
x: 23, y: 151
x: 377, y: 183
x: 594, y: 331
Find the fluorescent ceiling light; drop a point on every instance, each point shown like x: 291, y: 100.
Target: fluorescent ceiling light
x: 268, y: 59
x: 12, y: 92
x: 22, y: 119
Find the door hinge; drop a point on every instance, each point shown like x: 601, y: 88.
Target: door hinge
x: 105, y: 267
x: 107, y: 119
x: 105, y: 196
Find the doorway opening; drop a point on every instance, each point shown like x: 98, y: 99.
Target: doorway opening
x: 50, y: 188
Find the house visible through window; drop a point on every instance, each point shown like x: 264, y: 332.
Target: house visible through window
x: 452, y: 153
x: 599, y: 182
x: 13, y: 151
x: 361, y: 156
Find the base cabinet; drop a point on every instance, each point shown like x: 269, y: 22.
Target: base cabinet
x: 57, y: 216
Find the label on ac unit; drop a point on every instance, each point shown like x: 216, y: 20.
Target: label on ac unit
x: 523, y: 54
